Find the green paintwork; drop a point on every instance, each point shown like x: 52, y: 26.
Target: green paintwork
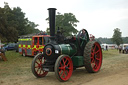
x: 78, y: 61
x: 67, y: 49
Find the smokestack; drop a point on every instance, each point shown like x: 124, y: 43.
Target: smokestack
x: 52, y: 12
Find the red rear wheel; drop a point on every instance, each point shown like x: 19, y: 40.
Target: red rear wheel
x: 63, y: 68
x: 93, y: 56
x: 36, y: 66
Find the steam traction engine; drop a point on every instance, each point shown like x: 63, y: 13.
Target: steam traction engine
x: 63, y: 55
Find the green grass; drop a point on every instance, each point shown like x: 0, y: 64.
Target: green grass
x: 110, y: 53
x: 16, y: 64
x: 19, y: 65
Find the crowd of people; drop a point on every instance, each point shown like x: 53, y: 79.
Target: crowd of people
x: 123, y: 49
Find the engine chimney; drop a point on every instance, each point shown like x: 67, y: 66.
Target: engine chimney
x: 52, y: 12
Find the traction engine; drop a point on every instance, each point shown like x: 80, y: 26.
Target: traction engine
x: 63, y: 55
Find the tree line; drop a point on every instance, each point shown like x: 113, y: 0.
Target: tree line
x: 116, y: 38
x: 109, y: 40
x: 13, y: 24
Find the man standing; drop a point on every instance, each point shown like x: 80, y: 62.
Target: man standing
x: 106, y: 47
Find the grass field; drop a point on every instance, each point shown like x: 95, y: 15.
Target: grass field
x: 19, y: 65
x: 110, y: 53
x: 16, y: 64
x: 17, y: 71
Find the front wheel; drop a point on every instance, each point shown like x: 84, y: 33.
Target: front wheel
x: 63, y: 68
x: 36, y: 66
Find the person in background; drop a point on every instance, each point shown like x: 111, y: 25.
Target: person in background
x: 106, y: 47
x: 120, y: 48
x: 2, y: 50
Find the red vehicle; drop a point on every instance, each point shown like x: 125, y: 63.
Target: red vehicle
x: 30, y: 46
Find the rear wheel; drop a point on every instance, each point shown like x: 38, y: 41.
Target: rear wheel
x: 63, y: 68
x: 36, y: 66
x: 93, y: 56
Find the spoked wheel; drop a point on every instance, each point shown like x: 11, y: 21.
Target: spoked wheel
x: 93, y: 56
x: 63, y: 68
x: 36, y: 66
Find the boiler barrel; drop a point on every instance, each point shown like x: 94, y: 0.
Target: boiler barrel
x: 67, y: 49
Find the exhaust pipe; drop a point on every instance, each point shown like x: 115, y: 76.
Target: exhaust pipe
x: 52, y: 14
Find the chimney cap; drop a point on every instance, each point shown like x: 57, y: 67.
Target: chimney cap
x: 52, y: 9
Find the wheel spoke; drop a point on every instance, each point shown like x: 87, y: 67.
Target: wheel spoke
x: 97, y: 51
x: 61, y: 64
x: 92, y: 60
x: 36, y: 66
x: 37, y: 70
x: 61, y: 67
x: 68, y: 63
x: 60, y: 72
x: 65, y: 61
x: 64, y: 74
x: 66, y: 71
x: 92, y: 57
x: 40, y: 71
x: 97, y: 59
x: 37, y: 63
x: 39, y: 59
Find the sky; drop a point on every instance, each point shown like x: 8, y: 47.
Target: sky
x: 98, y: 17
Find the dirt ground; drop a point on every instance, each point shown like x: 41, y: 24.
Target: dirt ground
x: 114, y: 71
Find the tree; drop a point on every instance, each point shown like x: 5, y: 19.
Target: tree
x: 67, y: 21
x: 3, y: 25
x: 13, y: 24
x: 117, y: 37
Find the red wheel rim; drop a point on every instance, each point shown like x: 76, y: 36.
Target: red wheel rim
x: 38, y: 67
x: 65, y: 68
x: 96, y: 57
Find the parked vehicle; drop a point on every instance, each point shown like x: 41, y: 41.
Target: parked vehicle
x: 30, y: 46
x: 10, y: 46
x: 16, y: 47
